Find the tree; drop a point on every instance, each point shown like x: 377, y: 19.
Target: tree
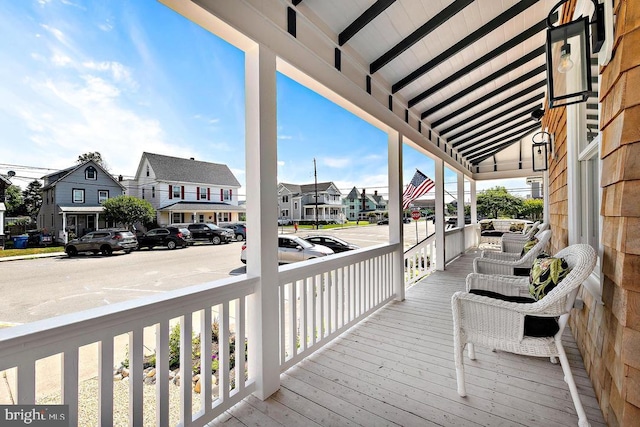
x: 128, y: 210
x: 14, y: 201
x: 92, y: 155
x: 496, y: 202
x: 533, y: 208
x: 33, y: 198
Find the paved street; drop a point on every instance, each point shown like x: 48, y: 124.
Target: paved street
x: 42, y: 288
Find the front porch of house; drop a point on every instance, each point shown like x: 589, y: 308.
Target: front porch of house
x: 347, y: 352
x: 396, y: 368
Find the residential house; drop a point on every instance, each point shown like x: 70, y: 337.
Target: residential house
x: 72, y: 200
x: 358, y: 206
x: 299, y: 202
x: 186, y: 190
x: 4, y: 183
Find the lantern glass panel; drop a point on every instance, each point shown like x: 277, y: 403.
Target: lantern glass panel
x: 568, y: 63
x: 539, y: 157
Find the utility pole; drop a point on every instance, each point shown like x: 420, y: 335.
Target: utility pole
x: 315, y: 177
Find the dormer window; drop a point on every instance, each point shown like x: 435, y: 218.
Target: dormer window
x: 91, y: 173
x: 147, y: 170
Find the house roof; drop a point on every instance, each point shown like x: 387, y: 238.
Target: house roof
x: 168, y: 168
x: 5, y: 179
x: 202, y: 206
x: 63, y: 173
x: 298, y: 189
x: 353, y: 194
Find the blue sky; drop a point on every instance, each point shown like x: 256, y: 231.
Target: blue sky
x: 123, y: 77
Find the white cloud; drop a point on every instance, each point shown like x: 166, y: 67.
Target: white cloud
x: 285, y: 137
x: 334, y: 162
x: 117, y: 71
x: 59, y: 35
x: 280, y: 163
x: 60, y: 60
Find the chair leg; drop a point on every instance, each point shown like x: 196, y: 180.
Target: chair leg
x: 458, y: 358
x: 568, y: 377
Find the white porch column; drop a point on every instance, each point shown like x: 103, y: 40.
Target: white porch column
x: 473, y: 201
x: 97, y: 221
x: 460, y: 191
x: 262, y: 219
x: 439, y: 181
x: 545, y: 198
x: 395, y: 210
x: 64, y: 228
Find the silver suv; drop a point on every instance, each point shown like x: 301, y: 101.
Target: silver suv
x: 102, y: 241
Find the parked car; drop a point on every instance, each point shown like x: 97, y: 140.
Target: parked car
x: 239, y: 230
x: 334, y: 243
x: 171, y: 237
x: 383, y: 222
x: 293, y: 249
x: 205, y: 231
x: 284, y: 221
x: 102, y: 241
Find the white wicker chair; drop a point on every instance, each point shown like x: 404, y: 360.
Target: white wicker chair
x: 513, y: 242
x: 498, y: 324
x: 505, y: 263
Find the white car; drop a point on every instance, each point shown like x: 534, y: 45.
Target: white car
x: 293, y: 249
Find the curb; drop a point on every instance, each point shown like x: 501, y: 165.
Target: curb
x: 32, y: 256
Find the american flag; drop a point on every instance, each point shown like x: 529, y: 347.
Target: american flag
x: 419, y: 185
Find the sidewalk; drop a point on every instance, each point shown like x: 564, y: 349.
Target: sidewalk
x: 32, y: 256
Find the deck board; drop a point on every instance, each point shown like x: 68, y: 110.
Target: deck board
x: 396, y: 368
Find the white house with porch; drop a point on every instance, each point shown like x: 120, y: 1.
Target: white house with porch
x: 186, y: 190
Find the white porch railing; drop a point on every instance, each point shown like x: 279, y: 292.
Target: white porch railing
x: 318, y: 300
x: 21, y: 348
x: 419, y: 260
x: 329, y: 295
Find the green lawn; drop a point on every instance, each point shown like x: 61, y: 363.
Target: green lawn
x: 31, y: 251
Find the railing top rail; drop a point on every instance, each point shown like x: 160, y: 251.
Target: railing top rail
x: 77, y: 329
x: 431, y: 237
x: 297, y: 271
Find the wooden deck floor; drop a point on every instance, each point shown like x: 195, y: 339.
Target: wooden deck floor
x: 396, y: 368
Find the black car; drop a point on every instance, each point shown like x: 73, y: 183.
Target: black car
x: 239, y: 230
x: 205, y: 231
x: 171, y: 237
x: 333, y: 243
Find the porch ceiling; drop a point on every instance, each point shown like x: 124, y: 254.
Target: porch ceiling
x: 472, y: 70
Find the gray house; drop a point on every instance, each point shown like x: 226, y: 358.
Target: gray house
x: 72, y: 200
x: 358, y: 206
x: 186, y: 190
x: 299, y: 203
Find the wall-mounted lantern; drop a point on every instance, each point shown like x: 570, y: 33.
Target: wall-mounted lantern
x: 542, y: 144
x: 569, y: 56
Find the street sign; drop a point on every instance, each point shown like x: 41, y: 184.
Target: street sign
x: 415, y: 215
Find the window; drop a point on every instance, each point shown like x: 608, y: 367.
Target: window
x: 104, y: 195
x: 200, y: 218
x: 176, y: 191
x: 227, y: 195
x: 78, y: 195
x: 147, y: 170
x: 143, y: 193
x: 285, y: 199
x: 295, y: 205
x: 153, y: 192
x: 203, y: 193
x: 91, y: 173
x: 176, y: 218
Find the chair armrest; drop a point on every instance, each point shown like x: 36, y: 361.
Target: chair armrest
x: 513, y: 237
x: 512, y: 246
x: 505, y: 285
x: 494, y: 266
x: 503, y: 256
